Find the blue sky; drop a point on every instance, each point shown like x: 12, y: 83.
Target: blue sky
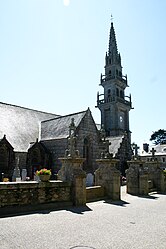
x: 52, y: 54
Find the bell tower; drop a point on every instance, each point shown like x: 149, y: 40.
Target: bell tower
x: 113, y: 103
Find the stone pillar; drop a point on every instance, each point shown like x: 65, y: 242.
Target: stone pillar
x: 79, y: 188
x: 160, y: 181
x: 156, y: 175
x: 132, y: 176
x: 71, y: 171
x: 143, y: 184
x: 109, y: 177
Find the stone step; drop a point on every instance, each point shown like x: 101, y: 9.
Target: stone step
x: 152, y: 190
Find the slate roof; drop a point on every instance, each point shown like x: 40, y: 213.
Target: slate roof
x: 58, y: 128
x: 160, y: 150
x: 115, y: 144
x: 21, y: 125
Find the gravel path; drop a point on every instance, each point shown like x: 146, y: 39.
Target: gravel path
x: 134, y: 222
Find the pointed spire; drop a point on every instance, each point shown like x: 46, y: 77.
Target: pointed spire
x: 113, y: 50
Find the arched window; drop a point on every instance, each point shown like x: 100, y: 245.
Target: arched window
x: 117, y: 92
x: 109, y: 93
x: 109, y: 72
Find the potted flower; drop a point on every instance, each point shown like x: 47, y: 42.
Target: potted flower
x: 44, y: 174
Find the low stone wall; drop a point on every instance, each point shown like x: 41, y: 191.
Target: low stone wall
x: 33, y: 193
x: 144, y: 177
x: 95, y: 193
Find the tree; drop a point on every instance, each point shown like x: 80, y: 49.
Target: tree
x: 159, y: 137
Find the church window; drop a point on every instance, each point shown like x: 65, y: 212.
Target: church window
x: 116, y: 72
x: 109, y: 61
x: 86, y: 154
x: 109, y: 92
x: 120, y: 73
x: 163, y: 159
x: 121, y: 94
x: 109, y: 72
x: 117, y: 92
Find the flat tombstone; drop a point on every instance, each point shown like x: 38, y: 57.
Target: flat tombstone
x: 89, y: 180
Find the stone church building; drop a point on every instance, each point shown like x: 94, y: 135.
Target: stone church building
x: 34, y: 139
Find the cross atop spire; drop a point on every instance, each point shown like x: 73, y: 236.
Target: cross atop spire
x: 111, y: 18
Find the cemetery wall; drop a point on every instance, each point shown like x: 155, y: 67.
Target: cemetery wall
x: 31, y: 193
x: 95, y: 193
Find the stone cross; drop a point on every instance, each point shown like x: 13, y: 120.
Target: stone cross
x: 153, y: 152
x: 135, y: 147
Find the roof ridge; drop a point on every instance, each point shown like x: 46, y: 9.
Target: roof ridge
x: 71, y: 114
x: 28, y: 108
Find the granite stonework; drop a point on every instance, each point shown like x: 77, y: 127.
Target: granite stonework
x: 108, y: 177
x: 71, y: 171
x: 145, y: 177
x: 95, y: 193
x: 88, y: 143
x: 72, y: 184
x: 32, y: 193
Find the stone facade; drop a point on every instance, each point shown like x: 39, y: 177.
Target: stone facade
x: 108, y: 177
x: 95, y: 193
x: 144, y: 177
x: 33, y: 193
x: 88, y: 144
x: 72, y: 186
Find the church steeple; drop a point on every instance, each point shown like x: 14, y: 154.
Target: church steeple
x: 113, y: 58
x: 113, y: 104
x: 112, y: 49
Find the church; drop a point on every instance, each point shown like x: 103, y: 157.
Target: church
x: 33, y: 139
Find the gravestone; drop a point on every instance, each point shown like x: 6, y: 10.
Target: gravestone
x: 16, y: 173
x: 89, y: 180
x: 23, y: 174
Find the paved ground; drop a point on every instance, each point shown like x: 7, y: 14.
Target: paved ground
x: 133, y: 223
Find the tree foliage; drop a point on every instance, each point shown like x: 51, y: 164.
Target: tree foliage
x: 159, y: 137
